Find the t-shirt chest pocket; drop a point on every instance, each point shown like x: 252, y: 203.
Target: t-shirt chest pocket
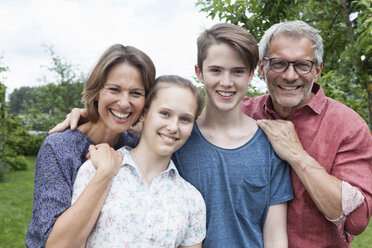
x: 252, y: 200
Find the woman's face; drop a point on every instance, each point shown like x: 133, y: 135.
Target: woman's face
x: 121, y: 100
x: 169, y: 120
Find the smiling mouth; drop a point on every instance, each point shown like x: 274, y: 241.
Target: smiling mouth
x: 119, y: 115
x: 289, y: 87
x: 225, y: 93
x: 168, y: 139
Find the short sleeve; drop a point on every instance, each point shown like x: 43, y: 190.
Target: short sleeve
x: 280, y: 185
x: 84, y: 175
x: 197, y: 227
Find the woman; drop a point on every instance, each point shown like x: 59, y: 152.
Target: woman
x: 114, y: 96
x: 149, y: 204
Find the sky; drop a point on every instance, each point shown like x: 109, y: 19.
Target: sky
x: 80, y: 30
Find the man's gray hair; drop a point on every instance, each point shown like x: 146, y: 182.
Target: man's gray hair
x: 293, y: 29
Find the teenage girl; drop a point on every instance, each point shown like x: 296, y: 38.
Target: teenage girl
x: 149, y: 204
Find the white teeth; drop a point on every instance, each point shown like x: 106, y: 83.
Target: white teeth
x: 225, y: 93
x: 289, y: 87
x: 169, y: 139
x: 120, y: 115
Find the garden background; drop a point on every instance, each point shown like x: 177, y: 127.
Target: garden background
x: 345, y: 25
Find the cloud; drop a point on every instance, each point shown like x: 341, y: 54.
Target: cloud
x: 80, y: 30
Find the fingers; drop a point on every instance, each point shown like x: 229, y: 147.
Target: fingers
x: 61, y: 126
x: 75, y: 115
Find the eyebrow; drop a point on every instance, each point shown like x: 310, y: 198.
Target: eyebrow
x: 116, y: 85
x: 234, y: 68
x: 191, y: 115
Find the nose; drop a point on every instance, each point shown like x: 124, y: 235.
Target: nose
x: 226, y: 80
x: 123, y: 100
x: 290, y: 74
x: 172, y: 125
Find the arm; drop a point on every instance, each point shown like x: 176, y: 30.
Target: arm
x: 324, y: 189
x: 193, y: 246
x: 76, y: 115
x: 72, y: 228
x: 72, y: 120
x: 275, y: 227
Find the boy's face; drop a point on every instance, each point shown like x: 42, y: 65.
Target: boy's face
x: 225, y: 77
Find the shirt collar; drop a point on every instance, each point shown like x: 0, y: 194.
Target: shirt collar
x: 128, y: 160
x: 316, y: 103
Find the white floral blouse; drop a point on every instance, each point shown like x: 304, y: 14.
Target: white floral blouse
x: 169, y: 213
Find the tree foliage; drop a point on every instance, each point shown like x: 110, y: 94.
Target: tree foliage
x: 2, y: 125
x: 14, y: 139
x: 43, y: 107
x: 346, y: 29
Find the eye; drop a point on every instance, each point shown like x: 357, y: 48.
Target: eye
x: 186, y: 119
x: 239, y: 71
x: 214, y: 70
x: 114, y: 89
x: 303, y: 65
x: 278, y: 63
x: 137, y: 93
x: 164, y: 113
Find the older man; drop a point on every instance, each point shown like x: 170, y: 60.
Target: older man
x: 328, y: 145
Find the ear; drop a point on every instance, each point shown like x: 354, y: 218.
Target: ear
x: 199, y: 73
x: 261, y: 69
x: 318, y: 71
x: 143, y: 115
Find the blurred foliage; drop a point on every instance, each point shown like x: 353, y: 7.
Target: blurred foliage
x: 36, y: 108
x: 3, y: 166
x: 41, y: 108
x: 346, y: 29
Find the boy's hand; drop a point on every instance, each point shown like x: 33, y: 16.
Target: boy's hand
x: 71, y: 121
x: 105, y: 159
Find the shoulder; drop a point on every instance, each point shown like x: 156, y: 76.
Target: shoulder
x: 128, y: 139
x: 192, y: 194
x: 344, y: 118
x: 256, y: 101
x: 65, y: 137
x: 67, y: 146
x: 254, y: 106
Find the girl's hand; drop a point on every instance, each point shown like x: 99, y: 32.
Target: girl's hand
x: 105, y: 159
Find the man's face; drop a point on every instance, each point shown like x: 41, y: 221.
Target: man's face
x: 289, y: 90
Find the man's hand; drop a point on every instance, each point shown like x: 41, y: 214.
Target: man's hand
x: 71, y: 121
x: 283, y: 137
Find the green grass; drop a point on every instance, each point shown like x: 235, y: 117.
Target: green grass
x: 16, y: 194
x: 363, y: 240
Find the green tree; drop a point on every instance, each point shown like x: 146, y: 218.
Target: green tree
x: 43, y: 107
x: 346, y: 28
x: 20, y: 98
x: 2, y: 124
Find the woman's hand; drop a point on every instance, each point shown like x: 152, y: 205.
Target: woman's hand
x: 71, y: 121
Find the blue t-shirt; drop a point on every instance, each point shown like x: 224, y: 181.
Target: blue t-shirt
x: 238, y: 186
x: 57, y: 163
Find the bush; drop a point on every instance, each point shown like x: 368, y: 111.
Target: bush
x: 3, y: 169
x: 16, y: 163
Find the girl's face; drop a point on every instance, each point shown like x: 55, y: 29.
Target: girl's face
x: 121, y: 100
x: 169, y: 120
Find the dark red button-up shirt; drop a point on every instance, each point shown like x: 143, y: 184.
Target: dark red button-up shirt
x: 340, y: 140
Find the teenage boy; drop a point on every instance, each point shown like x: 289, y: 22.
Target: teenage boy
x: 328, y: 145
x: 229, y: 159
